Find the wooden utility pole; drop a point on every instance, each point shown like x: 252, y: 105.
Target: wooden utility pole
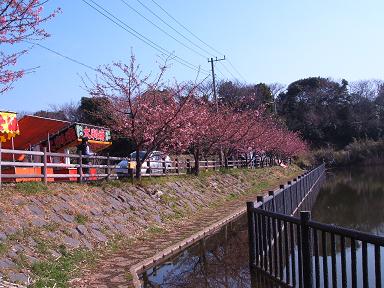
x: 213, y: 80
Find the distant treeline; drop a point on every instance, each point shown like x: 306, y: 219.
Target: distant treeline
x: 327, y: 113
x: 362, y: 152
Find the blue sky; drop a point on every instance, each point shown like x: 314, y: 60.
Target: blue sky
x: 266, y: 40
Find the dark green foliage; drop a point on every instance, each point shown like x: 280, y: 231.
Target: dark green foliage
x: 331, y: 114
x: 90, y: 111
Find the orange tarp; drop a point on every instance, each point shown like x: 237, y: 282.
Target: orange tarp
x: 35, y: 129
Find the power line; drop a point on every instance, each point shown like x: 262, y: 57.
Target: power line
x: 193, y: 34
x: 237, y: 71
x: 170, y: 26
x: 225, y: 67
x: 162, y: 30
x: 222, y: 74
x: 61, y: 55
x: 139, y: 36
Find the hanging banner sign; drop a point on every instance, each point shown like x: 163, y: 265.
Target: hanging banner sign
x: 93, y: 133
x: 9, y: 126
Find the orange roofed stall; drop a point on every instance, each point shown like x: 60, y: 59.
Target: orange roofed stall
x: 56, y: 136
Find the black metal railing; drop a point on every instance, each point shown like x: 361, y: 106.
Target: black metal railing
x: 299, y: 252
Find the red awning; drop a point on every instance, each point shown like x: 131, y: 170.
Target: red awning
x: 35, y: 129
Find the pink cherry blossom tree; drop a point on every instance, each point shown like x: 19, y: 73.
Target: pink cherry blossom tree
x: 154, y: 116
x: 20, y: 20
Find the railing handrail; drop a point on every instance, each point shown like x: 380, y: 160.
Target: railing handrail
x: 279, y: 216
x: 305, y: 241
x: 347, y: 232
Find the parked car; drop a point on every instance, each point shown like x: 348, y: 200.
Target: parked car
x: 155, y: 160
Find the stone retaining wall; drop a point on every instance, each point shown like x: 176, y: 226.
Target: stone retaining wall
x: 70, y: 216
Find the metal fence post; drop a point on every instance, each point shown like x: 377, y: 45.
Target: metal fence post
x: 299, y: 188
x: 260, y: 199
x: 290, y: 196
x: 284, y: 202
x: 45, y: 160
x: 251, y: 234
x: 272, y: 193
x: 306, y: 244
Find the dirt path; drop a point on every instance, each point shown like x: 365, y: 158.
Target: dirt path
x: 113, y: 270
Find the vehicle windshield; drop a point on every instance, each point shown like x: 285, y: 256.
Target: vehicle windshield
x: 141, y: 154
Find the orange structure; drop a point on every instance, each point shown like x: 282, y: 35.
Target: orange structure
x: 55, y: 135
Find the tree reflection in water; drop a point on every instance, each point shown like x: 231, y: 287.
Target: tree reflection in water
x: 220, y: 260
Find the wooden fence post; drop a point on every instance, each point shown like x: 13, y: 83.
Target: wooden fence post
x: 177, y: 166
x: 108, y: 168
x: 45, y: 160
x: 306, y: 244
x: 149, y: 167
x: 188, y: 166
x: 164, y: 166
x: 80, y: 169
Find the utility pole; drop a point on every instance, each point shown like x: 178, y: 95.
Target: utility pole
x: 213, y: 80
x: 221, y: 156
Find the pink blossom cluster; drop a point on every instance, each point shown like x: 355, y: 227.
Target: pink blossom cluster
x: 174, y: 118
x: 20, y: 20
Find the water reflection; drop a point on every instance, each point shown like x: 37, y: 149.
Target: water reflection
x: 217, y: 261
x: 353, y: 198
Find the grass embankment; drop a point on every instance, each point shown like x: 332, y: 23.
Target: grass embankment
x: 57, y: 271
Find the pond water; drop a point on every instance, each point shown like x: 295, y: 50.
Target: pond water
x: 351, y: 198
